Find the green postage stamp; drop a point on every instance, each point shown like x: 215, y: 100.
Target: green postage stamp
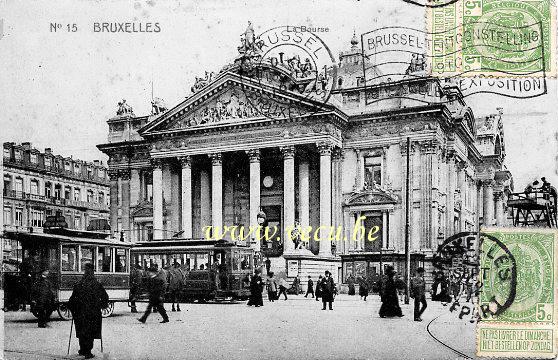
x: 500, y: 38
x: 518, y: 293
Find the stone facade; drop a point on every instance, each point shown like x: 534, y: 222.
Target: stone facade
x: 215, y: 159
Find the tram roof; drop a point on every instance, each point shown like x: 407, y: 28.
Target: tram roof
x: 198, y: 243
x: 46, y: 237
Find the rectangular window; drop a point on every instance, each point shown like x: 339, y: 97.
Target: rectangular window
x: 67, y: 193
x: 90, y: 196
x: 120, y: 260
x: 7, y: 153
x: 77, y: 169
x: 77, y: 194
x: 34, y: 159
x: 18, y: 185
x: 372, y: 170
x: 101, y: 198
x: 48, y: 190
x: 86, y: 256
x: 77, y: 222
x: 48, y: 162
x: 7, y: 215
x: 36, y: 218
x: 19, y: 216
x: 18, y: 154
x: 67, y: 166
x: 69, y: 258
x: 34, y: 189
x: 104, y: 259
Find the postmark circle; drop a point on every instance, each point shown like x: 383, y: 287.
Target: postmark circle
x: 294, y: 69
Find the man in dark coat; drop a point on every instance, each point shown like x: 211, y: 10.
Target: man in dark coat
x: 318, y: 288
x: 43, y: 298
x: 135, y: 286
x: 418, y: 290
x: 156, y: 288
x: 390, y: 300
x: 327, y: 287
x: 256, y: 288
x: 86, y: 303
x: 310, y: 289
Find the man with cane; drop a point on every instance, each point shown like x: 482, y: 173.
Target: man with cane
x: 86, y: 303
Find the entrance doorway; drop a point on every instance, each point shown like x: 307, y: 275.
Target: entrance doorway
x: 273, y: 246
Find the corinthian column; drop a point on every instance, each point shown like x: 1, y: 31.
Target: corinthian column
x: 217, y: 191
x: 450, y: 203
x: 499, y: 198
x: 157, y: 199
x: 325, y: 198
x: 186, y: 196
x: 125, y: 178
x: 254, y: 156
x: 288, y: 195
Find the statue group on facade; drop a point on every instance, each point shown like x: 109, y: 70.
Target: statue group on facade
x: 200, y: 83
x: 417, y: 64
x: 158, y: 106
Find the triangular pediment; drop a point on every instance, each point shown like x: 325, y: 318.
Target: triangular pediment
x: 233, y: 99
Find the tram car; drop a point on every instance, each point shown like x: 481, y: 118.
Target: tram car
x: 64, y: 253
x: 211, y: 270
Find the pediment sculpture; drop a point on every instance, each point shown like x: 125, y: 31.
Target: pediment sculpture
x: 374, y: 196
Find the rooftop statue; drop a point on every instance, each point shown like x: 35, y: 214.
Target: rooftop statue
x: 200, y: 83
x: 417, y: 64
x: 124, y: 109
x: 158, y: 106
x: 248, y: 41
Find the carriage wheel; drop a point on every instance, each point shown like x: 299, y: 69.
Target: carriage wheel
x: 109, y: 310
x: 64, y: 311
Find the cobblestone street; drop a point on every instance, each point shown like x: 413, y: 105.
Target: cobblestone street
x: 293, y: 329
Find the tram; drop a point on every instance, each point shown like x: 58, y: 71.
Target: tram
x: 213, y: 269
x: 64, y: 253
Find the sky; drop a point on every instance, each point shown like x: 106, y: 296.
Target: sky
x: 59, y: 88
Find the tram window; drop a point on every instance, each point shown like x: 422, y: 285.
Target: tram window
x: 69, y: 258
x: 203, y: 261
x: 86, y: 256
x: 245, y: 262
x: 236, y: 261
x: 120, y: 263
x: 104, y: 259
x: 191, y: 261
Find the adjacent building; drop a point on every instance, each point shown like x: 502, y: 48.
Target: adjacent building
x: 38, y: 184
x: 389, y: 153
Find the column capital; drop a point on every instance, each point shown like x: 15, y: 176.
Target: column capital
x: 124, y: 174
x: 325, y: 148
x: 338, y: 153
x: 253, y: 155
x: 185, y: 161
x: 156, y: 163
x: 488, y: 182
x: 461, y: 164
x: 216, y: 158
x: 288, y: 151
x: 498, y: 195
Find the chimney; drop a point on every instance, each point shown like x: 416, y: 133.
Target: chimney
x: 48, y: 151
x: 26, y: 145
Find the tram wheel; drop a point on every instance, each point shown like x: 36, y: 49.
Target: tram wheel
x: 64, y: 312
x: 109, y: 310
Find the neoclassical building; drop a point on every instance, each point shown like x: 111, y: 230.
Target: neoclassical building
x: 217, y: 159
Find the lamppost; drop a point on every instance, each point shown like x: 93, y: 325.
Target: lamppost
x: 261, y: 219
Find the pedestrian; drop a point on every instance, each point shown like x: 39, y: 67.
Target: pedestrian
x: 363, y: 289
x: 135, y: 286
x: 156, y: 289
x: 271, y: 287
x: 267, y: 265
x: 390, y: 301
x: 296, y: 285
x: 310, y: 289
x: 175, y: 279
x: 43, y: 299
x: 418, y: 293
x: 256, y: 288
x: 327, y: 287
x: 318, y: 289
x: 401, y: 287
x: 282, y: 288
x: 455, y: 286
x: 86, y: 303
x: 351, y: 283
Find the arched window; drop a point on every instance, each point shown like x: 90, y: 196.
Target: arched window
x: 340, y: 81
x: 498, y: 146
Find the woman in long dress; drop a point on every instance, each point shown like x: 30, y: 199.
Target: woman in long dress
x: 390, y: 301
x: 256, y: 288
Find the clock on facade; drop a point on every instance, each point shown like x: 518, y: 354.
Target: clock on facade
x: 268, y: 181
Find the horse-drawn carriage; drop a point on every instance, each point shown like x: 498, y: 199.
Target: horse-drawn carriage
x: 208, y: 270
